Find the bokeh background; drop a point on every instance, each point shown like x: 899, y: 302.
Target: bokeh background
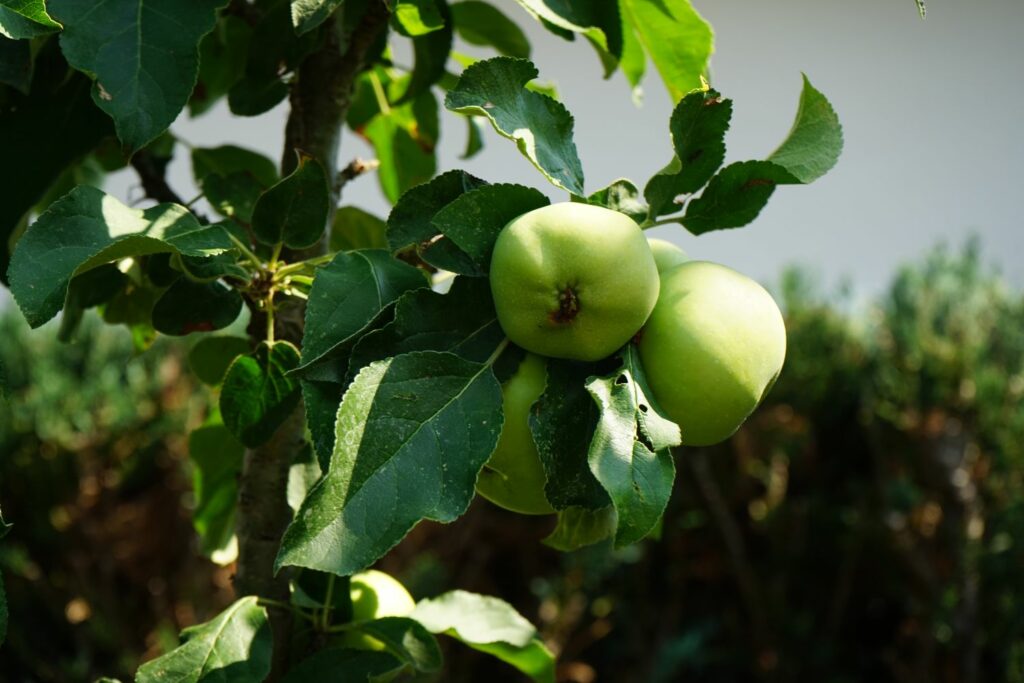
x: 866, y: 525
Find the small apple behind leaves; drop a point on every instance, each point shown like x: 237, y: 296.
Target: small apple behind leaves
x: 514, y: 477
x: 712, y: 348
x: 572, y: 280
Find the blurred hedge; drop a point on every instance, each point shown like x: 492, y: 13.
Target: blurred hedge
x: 867, y: 524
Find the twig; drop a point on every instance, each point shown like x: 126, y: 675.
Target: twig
x: 353, y: 170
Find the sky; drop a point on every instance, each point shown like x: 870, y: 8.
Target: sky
x: 931, y: 113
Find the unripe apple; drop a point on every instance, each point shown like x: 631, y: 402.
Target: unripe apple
x: 712, y: 348
x: 666, y: 254
x: 514, y: 478
x: 572, y: 280
x: 376, y: 594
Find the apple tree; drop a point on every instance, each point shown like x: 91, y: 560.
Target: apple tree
x: 366, y: 373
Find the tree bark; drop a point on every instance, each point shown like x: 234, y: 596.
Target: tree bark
x: 319, y: 99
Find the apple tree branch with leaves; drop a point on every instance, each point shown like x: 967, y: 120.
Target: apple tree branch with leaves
x: 369, y: 374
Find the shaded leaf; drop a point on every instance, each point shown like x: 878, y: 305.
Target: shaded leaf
x: 480, y: 23
x: 411, y: 221
x: 678, y: 40
x: 540, y: 126
x: 232, y: 178
x: 294, y: 211
x: 622, y: 196
x: 490, y: 625
x: 211, y: 357
x: 413, y: 433
x: 734, y: 197
x: 216, y: 465
x: 16, y: 64
x: 25, y: 19
x: 354, y: 228
x: 258, y: 394
x: 222, y: 57
x: 473, y: 220
x: 321, y: 400
x: 341, y: 665
x: 87, y: 228
x: 404, y: 162
x: 189, y: 306
x: 406, y: 639
x: 474, y: 136
x: 815, y: 142
x: 579, y: 527
x: 54, y: 125
x: 142, y: 54
x: 698, y: 126
x: 629, y: 453
x: 562, y: 423
x: 348, y: 294
x: 235, y: 646
x: 462, y: 322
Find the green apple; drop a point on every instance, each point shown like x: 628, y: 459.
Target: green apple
x: 514, y: 478
x: 666, y: 254
x: 712, y: 349
x: 376, y: 594
x: 572, y: 280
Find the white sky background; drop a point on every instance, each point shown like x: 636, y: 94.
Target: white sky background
x: 932, y: 112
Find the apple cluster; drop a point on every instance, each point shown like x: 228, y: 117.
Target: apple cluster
x: 578, y: 282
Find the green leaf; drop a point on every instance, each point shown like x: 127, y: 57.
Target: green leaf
x: 413, y: 433
x: 189, y: 306
x: 321, y: 400
x: 347, y: 295
x: 354, y: 228
x: 222, y: 57
x: 677, y: 38
x: 540, y: 126
x: 25, y: 19
x: 3, y: 612
x: 274, y: 50
x: 921, y: 9
x: 489, y: 625
x: 406, y: 639
x: 87, y: 228
x: 304, y: 473
x: 258, y: 395
x: 54, y: 126
x: 294, y: 211
x: 340, y: 665
x: 629, y: 453
x: 480, y: 23
x: 404, y: 161
x: 473, y: 220
x: 597, y: 20
x: 16, y: 64
x: 228, y: 159
x: 563, y: 422
x: 142, y: 54
x: 308, y: 14
x: 235, y: 646
x: 211, y: 357
x: 474, y: 136
x: 815, y: 142
x: 579, y: 527
x: 430, y: 54
x: 216, y: 465
x: 462, y: 322
x: 633, y: 62
x: 734, y: 197
x: 418, y: 17
x: 411, y: 221
x: 621, y: 195
x: 698, y: 126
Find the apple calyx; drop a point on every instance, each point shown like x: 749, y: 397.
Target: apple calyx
x: 568, y: 306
